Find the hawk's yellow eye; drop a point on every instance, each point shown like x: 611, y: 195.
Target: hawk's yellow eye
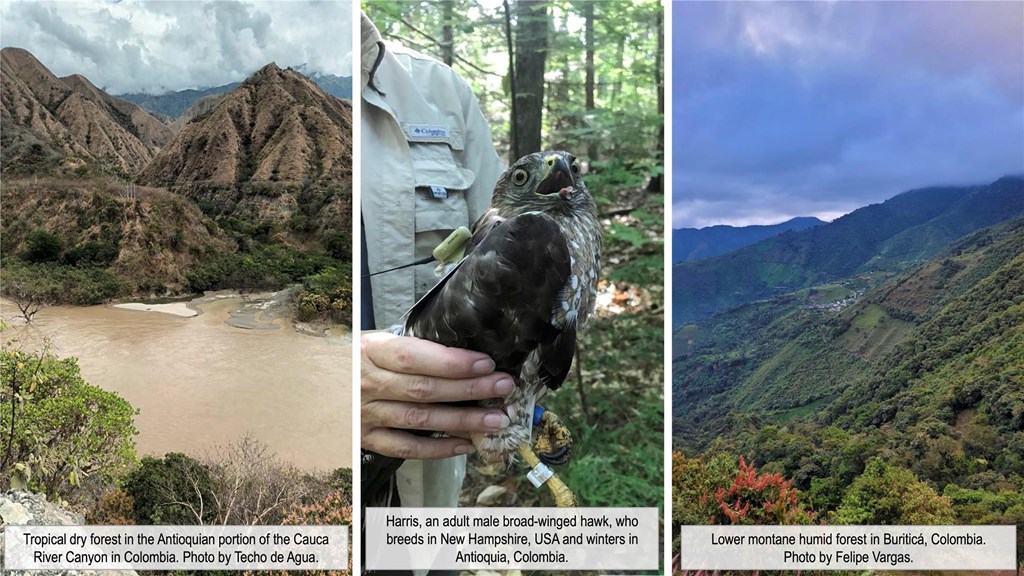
x: 519, y: 176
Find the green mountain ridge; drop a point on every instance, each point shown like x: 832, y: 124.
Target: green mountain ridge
x: 981, y: 207
x: 699, y: 243
x: 922, y: 369
x: 784, y: 353
x: 890, y: 236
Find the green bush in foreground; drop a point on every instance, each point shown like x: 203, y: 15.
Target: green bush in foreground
x: 888, y: 494
x: 58, y: 430
x: 42, y: 246
x: 175, y: 489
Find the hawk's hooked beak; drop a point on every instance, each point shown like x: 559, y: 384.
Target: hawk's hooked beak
x: 558, y: 179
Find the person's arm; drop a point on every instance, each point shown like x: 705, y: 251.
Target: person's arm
x: 405, y: 383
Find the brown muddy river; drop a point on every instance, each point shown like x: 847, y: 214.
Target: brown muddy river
x: 198, y: 382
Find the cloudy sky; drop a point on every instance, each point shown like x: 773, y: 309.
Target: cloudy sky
x: 818, y: 108
x: 155, y: 47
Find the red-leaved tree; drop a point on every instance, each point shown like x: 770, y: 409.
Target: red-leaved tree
x: 754, y: 498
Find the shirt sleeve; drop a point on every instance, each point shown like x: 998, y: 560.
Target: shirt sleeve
x: 479, y: 154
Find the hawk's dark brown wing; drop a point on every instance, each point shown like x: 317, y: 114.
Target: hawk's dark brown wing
x: 499, y: 299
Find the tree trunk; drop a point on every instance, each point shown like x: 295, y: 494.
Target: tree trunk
x: 588, y: 20
x: 530, y: 57
x: 657, y: 183
x: 559, y: 98
x: 447, y: 36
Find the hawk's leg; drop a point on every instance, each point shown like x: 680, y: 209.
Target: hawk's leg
x: 564, y: 498
x: 554, y: 441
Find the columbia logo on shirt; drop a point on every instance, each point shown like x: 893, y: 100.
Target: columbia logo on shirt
x: 424, y: 131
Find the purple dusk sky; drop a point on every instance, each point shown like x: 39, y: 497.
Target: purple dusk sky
x: 818, y: 108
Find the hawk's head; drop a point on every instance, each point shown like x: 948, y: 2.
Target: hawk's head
x: 544, y: 182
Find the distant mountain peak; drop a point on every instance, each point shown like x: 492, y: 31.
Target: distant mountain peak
x: 277, y: 126
x: 271, y: 69
x: 175, y: 104
x: 694, y: 243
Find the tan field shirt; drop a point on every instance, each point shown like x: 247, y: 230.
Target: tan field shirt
x: 428, y: 167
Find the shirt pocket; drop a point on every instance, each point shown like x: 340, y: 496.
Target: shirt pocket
x: 441, y: 206
x: 441, y: 186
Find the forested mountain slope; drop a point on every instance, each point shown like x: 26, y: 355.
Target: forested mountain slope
x: 890, y: 236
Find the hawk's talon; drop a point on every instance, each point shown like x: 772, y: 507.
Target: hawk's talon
x: 554, y: 441
x: 556, y: 459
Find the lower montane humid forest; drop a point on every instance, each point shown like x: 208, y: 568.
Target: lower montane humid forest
x: 889, y: 394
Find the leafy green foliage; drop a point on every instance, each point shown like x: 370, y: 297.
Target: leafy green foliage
x: 695, y: 481
x: 618, y: 136
x: 326, y: 295
x: 340, y: 481
x: 890, y: 495
x: 977, y: 506
x: 267, y: 267
x: 718, y: 489
x: 60, y: 432
x: 42, y: 246
x: 175, y: 489
x: 61, y: 284
x: 91, y: 253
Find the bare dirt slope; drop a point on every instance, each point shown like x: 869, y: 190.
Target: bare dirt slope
x: 71, y: 118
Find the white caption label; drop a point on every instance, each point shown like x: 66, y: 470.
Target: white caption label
x: 848, y: 547
x: 176, y: 547
x: 504, y: 538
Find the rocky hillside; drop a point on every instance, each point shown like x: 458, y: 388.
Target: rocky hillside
x: 200, y: 107
x: 20, y: 508
x: 272, y: 157
x: 278, y: 126
x: 251, y: 190
x: 52, y: 122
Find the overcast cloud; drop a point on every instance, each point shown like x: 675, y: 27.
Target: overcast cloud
x: 818, y: 108
x: 156, y: 47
